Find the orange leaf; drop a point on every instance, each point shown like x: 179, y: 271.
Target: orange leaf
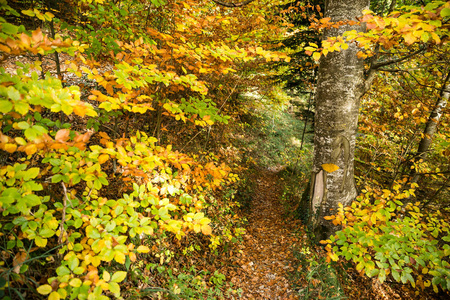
x: 206, y: 229
x: 62, y: 135
x: 25, y: 39
x: 37, y: 35
x: 30, y: 149
x: 80, y: 110
x: 330, y: 168
x: 103, y: 158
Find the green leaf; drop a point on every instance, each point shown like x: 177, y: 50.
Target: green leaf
x: 11, y: 244
x: 114, y: 288
x: 57, y: 178
x: 119, y: 276
x: 78, y: 223
x: 382, y: 275
x: 373, y: 272
x: 32, y: 200
x: 5, y: 106
x: 108, y: 255
x: 21, y: 107
x: 31, y: 173
x: 79, y: 270
x: 23, y: 125
x: 9, y: 28
x: 396, y: 275
x: 13, y: 94
x: 445, y: 12
x: 30, y: 134
x: 39, y: 129
x: 73, y: 262
x: 46, y: 233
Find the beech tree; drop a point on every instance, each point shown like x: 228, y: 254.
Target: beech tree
x: 339, y: 87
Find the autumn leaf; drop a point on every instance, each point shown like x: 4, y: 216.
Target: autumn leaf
x: 330, y: 168
x: 103, y: 158
x: 143, y: 249
x: 54, y: 296
x: 206, y: 229
x: 10, y: 148
x: 62, y: 135
x: 44, y: 289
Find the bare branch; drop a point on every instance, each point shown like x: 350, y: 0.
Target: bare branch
x: 228, y: 4
x: 393, y: 61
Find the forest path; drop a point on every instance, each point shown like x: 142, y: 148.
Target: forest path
x: 266, y: 258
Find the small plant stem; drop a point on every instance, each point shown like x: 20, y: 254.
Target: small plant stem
x: 63, y: 217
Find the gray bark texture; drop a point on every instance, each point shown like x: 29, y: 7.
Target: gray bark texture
x: 432, y: 125
x: 339, y: 88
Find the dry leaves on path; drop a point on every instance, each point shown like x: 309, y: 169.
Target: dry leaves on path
x: 265, y: 256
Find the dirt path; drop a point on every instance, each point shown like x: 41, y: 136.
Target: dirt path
x: 266, y: 251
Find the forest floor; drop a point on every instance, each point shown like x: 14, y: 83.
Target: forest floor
x: 265, y: 257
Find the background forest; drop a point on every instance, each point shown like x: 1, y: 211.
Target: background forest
x: 132, y: 132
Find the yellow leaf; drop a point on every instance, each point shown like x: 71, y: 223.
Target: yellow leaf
x: 75, y: 282
x: 11, y: 148
x: 54, y: 296
x: 334, y: 257
x: 106, y: 276
x: 20, y: 141
x: 50, y: 15
x: 40, y: 242
x: 316, y: 56
x: 330, y: 168
x: 28, y: 12
x: 44, y: 289
x: 120, y: 257
x: 143, y: 249
x: 95, y: 261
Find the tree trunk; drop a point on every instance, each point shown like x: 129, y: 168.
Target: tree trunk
x: 431, y: 126
x: 339, y: 88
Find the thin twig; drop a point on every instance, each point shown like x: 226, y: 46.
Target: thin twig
x: 228, y: 4
x: 63, y: 217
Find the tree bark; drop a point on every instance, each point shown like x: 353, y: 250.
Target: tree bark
x: 431, y: 126
x: 339, y: 88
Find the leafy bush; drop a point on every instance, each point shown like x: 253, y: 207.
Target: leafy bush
x: 386, y: 238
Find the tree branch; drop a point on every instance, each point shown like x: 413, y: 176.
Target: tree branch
x: 393, y: 61
x: 228, y: 4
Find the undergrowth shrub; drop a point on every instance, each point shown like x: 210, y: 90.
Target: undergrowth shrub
x: 314, y: 277
x: 387, y: 238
